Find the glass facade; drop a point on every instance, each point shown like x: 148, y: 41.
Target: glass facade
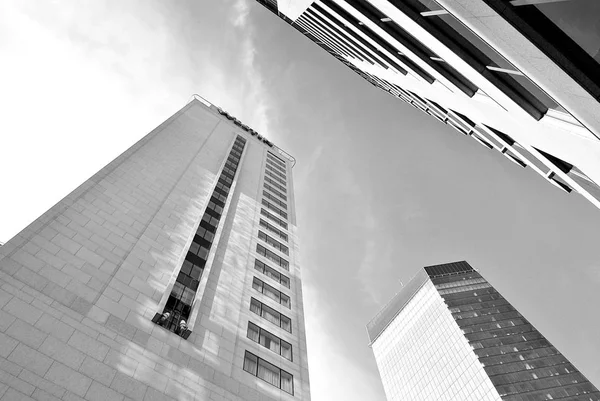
x: 423, y: 355
x: 520, y: 362
x: 449, y: 335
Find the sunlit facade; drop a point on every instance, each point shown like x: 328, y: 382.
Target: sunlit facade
x: 171, y: 274
x: 449, y: 335
x: 520, y: 77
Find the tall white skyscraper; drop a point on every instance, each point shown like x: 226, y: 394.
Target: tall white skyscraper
x: 171, y: 274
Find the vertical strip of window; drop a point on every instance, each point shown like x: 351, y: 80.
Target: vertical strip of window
x: 176, y: 312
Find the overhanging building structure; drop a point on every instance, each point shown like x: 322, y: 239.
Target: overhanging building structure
x: 521, y: 77
x: 449, y: 335
x: 171, y: 274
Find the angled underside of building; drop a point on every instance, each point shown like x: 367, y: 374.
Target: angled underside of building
x: 449, y: 335
x: 520, y: 77
x: 171, y: 274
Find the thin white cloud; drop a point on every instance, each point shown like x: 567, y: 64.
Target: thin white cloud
x: 256, y: 96
x: 242, y: 9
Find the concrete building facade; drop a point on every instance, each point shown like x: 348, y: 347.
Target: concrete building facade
x: 171, y: 274
x: 518, y: 76
x: 449, y: 335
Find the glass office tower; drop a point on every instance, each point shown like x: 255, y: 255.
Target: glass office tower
x: 449, y: 335
x: 171, y: 274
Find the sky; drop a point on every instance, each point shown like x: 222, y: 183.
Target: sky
x: 381, y: 188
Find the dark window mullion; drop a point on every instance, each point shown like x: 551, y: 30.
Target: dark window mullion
x: 358, y: 40
x: 349, y: 43
x: 380, y: 41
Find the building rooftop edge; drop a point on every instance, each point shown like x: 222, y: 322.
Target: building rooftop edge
x: 208, y: 103
x: 396, y: 304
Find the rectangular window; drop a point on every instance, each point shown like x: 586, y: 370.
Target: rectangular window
x: 272, y: 273
x: 271, y: 292
x: 270, y: 315
x: 274, y: 218
x: 270, y: 341
x: 275, y: 244
x: 268, y: 372
x: 274, y: 208
x: 273, y: 229
x: 261, y: 250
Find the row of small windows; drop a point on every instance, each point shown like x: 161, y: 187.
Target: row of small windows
x: 252, y: 363
x: 275, y: 177
x: 460, y: 283
x: 269, y: 341
x: 276, y: 160
x: 276, y: 167
x: 463, y: 289
x: 275, y: 184
x: 270, y: 315
x: 272, y: 256
x: 178, y: 306
x: 273, y: 229
x: 271, y: 292
x: 274, y: 208
x: 274, y: 170
x: 272, y: 273
x: 274, y: 199
x: 276, y: 192
x: 268, y: 372
x: 274, y: 218
x: 274, y: 243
